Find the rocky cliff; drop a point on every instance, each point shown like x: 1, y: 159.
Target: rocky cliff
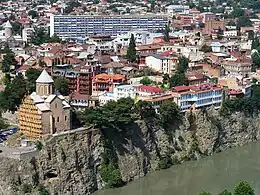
x: 69, y: 164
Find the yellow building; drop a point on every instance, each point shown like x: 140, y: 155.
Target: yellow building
x: 43, y: 113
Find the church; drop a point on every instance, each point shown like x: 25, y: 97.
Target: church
x: 43, y: 112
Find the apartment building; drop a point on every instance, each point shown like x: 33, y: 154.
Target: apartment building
x: 212, y: 26
x: 196, y: 97
x: 237, y: 64
x: 75, y: 26
x: 43, y: 112
x: 79, y: 81
x: 161, y: 63
x: 106, y: 83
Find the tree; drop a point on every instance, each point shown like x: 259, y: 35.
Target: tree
x: 250, y: 35
x: 61, y: 84
x: 237, y: 12
x: 178, y: 79
x: 17, y: 28
x: 206, y: 48
x: 169, y: 113
x: 256, y: 60
x: 243, y: 188
x: 146, y: 80
x: 54, y: 39
x: 14, y: 93
x: 225, y: 192
x: 183, y: 64
x: 71, y: 5
x: 166, y: 78
x: 231, y: 23
x: 166, y: 33
x: 131, y: 51
x: 40, y: 36
x: 127, y: 10
x: 255, y: 43
x: 256, y: 91
x: 243, y: 21
x: 145, y: 109
x: 33, y: 14
x: 8, y: 61
x: 32, y: 75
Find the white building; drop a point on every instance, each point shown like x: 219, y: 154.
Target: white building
x: 124, y: 91
x: 172, y: 9
x: 27, y: 34
x: 141, y: 38
x: 230, y: 33
x: 160, y: 63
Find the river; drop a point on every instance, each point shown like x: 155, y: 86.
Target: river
x: 213, y: 174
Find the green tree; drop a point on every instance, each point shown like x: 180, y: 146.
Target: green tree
x: 145, y: 109
x: 244, y: 188
x: 256, y: 60
x: 17, y: 27
x: 8, y: 61
x: 61, y: 84
x: 256, y: 91
x: 43, y: 191
x: 225, y: 192
x: 40, y: 36
x: 237, y: 12
x: 206, y: 48
x: 131, y: 51
x: 54, y: 39
x: 255, y: 43
x: 243, y: 21
x: 178, y: 79
x: 33, y: 14
x: 14, y: 93
x: 71, y: 5
x: 146, y: 81
x: 169, y: 113
x: 166, y: 78
x: 231, y: 23
x: 183, y: 64
x: 166, y: 33
x: 32, y: 74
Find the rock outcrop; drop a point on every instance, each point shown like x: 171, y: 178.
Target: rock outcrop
x: 69, y: 164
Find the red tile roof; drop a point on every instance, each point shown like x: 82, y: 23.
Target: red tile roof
x: 149, y: 89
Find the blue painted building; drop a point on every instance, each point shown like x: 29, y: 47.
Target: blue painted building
x: 73, y: 26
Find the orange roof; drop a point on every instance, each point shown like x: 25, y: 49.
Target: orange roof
x: 107, y: 77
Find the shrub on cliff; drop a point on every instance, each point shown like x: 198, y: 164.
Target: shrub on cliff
x: 165, y: 162
x: 169, y: 113
x: 112, y: 115
x: 111, y: 175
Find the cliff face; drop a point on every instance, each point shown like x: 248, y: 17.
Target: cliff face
x: 69, y: 164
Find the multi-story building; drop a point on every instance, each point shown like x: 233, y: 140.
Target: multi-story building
x: 27, y: 34
x: 236, y: 85
x: 79, y: 81
x: 195, y: 97
x: 212, y: 26
x: 237, y: 64
x: 162, y: 64
x: 43, y: 112
x: 75, y: 26
x: 106, y: 83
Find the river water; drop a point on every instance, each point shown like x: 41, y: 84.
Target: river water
x: 215, y: 173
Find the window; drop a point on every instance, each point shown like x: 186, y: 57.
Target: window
x: 56, y: 106
x: 58, y: 119
x: 65, y: 118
